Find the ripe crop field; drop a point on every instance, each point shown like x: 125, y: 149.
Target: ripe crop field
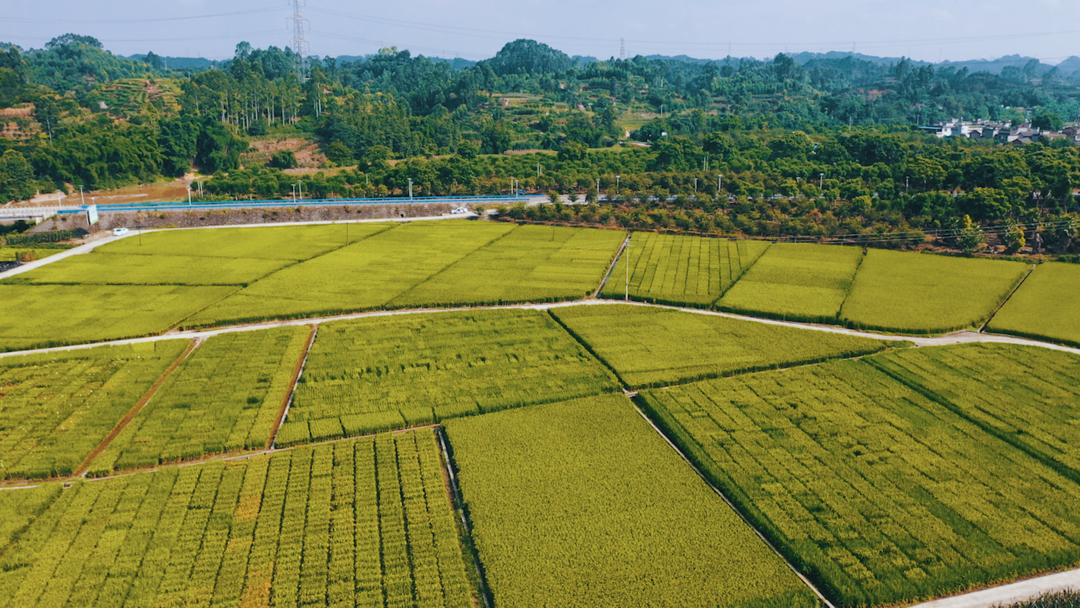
x: 1045, y: 306
x: 292, y: 243
x: 927, y: 294
x: 365, y: 523
x: 42, y: 316
x: 10, y: 254
x: 363, y: 276
x: 55, y: 408
x: 126, y: 269
x: 658, y: 347
x: 20, y: 507
x: 530, y: 264
x: 225, y: 397
x: 879, y: 493
x: 796, y: 282
x: 582, y: 504
x: 682, y: 270
x: 386, y: 373
x: 1023, y: 395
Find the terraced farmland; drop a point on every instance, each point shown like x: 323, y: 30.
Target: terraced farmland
x: 359, y: 523
x: 385, y: 373
x: 1044, y: 308
x: 796, y: 282
x: 582, y: 504
x: 363, y: 276
x: 530, y: 264
x: 682, y: 270
x: 55, y: 315
x: 225, y: 397
x: 927, y: 294
x: 657, y: 347
x: 55, y: 408
x: 879, y: 492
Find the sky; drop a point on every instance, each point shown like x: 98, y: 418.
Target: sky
x: 929, y: 30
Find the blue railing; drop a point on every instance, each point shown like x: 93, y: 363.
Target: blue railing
x: 333, y: 202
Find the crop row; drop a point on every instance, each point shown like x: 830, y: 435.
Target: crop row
x: 383, y: 373
x: 225, y: 397
x: 55, y: 408
x: 364, y: 523
x: 581, y: 503
x: 885, y: 490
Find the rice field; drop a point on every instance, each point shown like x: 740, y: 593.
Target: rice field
x: 882, y: 492
x: 358, y: 523
x: 657, y: 347
x: 126, y: 269
x: 225, y: 397
x: 530, y: 264
x: 291, y: 243
x: 796, y: 282
x: 56, y: 408
x: 583, y: 504
x: 681, y: 270
x: 927, y: 294
x: 387, y: 373
x: 1044, y: 308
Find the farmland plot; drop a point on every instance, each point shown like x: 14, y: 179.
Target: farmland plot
x: 796, y: 282
x: 682, y: 270
x: 55, y: 408
x: 225, y: 397
x: 582, y: 504
x: 876, y: 491
x: 41, y: 316
x: 1045, y: 306
x: 364, y: 276
x: 927, y: 294
x: 20, y: 507
x: 364, y: 523
x: 385, y: 373
x: 658, y: 347
x: 291, y: 243
x: 530, y: 264
x: 125, y: 269
x: 1023, y: 395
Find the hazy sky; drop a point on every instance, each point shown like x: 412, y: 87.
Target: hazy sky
x: 475, y: 29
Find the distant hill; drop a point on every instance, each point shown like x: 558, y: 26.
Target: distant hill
x: 182, y: 63
x: 995, y: 66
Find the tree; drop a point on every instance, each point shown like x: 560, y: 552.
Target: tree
x: 971, y: 240
x: 1014, y: 239
x: 283, y: 159
x: 1047, y: 120
x: 15, y: 177
x: 73, y: 39
x: 528, y: 57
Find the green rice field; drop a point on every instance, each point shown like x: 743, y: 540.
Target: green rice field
x: 796, y: 282
x: 582, y: 504
x: 1044, y: 308
x: 658, y: 347
x: 393, y: 372
x: 927, y: 294
x: 55, y: 408
x: 681, y: 270
x: 880, y: 491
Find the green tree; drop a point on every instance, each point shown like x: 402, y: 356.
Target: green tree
x: 972, y: 239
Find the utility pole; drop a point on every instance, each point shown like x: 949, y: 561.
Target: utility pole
x: 299, y: 40
x: 627, y: 297
x: 622, y: 49
x: 719, y: 184
x: 82, y: 195
x: 410, y: 189
x: 821, y: 182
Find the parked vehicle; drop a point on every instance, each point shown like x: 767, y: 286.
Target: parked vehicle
x: 120, y: 231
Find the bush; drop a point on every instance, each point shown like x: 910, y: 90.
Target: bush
x: 285, y: 159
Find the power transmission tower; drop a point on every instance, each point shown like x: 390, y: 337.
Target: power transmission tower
x: 622, y: 49
x: 299, y: 40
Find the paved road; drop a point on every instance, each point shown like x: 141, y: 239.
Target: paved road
x: 1006, y: 595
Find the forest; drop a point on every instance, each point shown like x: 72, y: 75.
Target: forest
x: 813, y: 147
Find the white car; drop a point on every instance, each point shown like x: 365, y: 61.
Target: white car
x: 120, y: 231
x: 460, y: 211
